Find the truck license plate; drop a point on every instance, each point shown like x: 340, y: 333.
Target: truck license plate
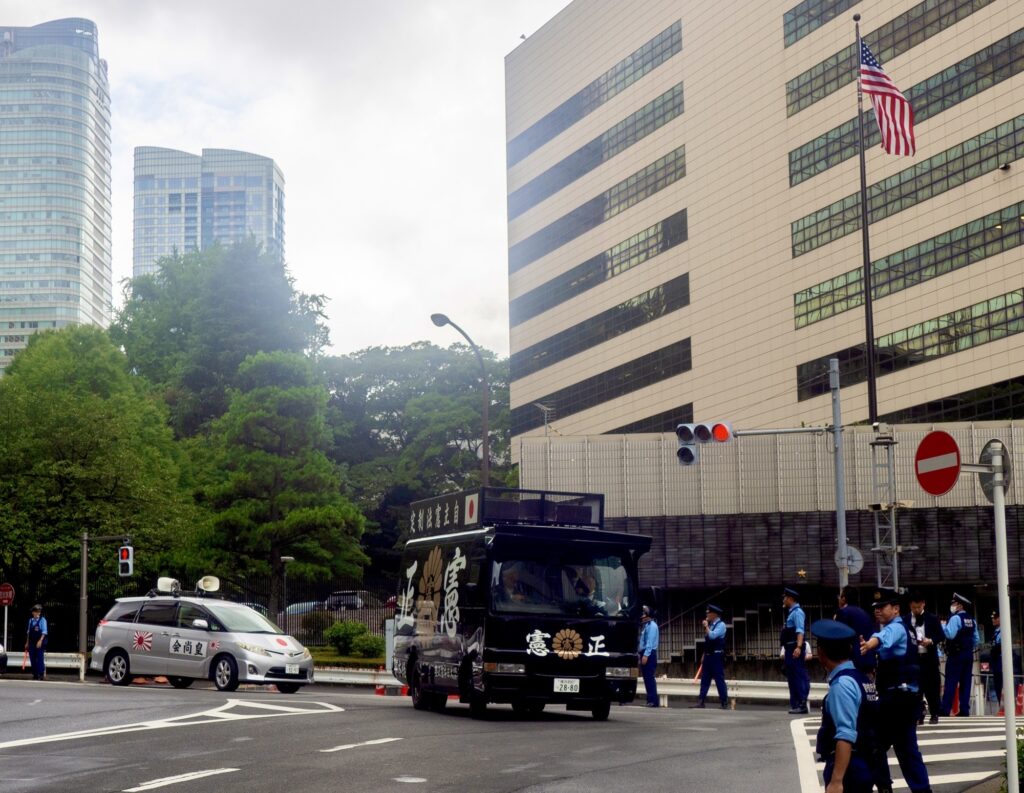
x: 291, y: 669
x: 567, y: 685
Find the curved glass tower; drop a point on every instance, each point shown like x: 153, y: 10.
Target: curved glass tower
x: 55, y: 252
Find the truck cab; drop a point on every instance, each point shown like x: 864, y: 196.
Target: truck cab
x: 518, y: 597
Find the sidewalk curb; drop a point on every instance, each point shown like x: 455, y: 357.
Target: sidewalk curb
x: 991, y: 785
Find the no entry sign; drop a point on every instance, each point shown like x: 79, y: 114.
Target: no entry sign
x: 937, y: 463
x: 6, y: 594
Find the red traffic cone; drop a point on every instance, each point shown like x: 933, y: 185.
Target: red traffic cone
x: 1020, y: 699
x: 956, y: 702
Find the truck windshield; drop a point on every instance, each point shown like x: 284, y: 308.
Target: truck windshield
x: 567, y: 584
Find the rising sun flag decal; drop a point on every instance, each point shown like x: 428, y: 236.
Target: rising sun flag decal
x: 143, y: 641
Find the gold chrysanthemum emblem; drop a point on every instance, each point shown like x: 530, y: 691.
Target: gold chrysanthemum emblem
x: 429, y: 601
x: 567, y: 644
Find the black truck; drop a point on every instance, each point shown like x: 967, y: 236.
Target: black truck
x: 518, y: 597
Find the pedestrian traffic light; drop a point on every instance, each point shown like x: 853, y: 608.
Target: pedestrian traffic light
x: 125, y: 561
x: 692, y: 435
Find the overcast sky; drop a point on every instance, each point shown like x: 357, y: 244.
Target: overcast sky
x: 387, y: 118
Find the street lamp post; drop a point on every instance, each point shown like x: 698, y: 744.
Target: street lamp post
x: 485, y: 468
x: 284, y: 593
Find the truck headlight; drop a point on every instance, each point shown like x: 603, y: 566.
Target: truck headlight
x: 620, y: 671
x: 503, y: 668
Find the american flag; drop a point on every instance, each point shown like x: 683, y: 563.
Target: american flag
x: 893, y: 112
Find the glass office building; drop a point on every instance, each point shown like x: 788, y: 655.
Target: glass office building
x: 684, y: 220
x: 55, y: 243
x: 189, y: 202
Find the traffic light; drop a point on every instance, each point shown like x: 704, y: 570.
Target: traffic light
x: 125, y: 561
x: 692, y: 435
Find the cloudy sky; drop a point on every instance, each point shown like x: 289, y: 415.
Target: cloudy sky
x: 386, y: 116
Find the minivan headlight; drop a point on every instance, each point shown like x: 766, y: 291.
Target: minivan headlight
x: 252, y: 648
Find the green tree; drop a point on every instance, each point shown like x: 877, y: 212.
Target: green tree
x: 83, y: 448
x: 189, y: 326
x: 281, y: 495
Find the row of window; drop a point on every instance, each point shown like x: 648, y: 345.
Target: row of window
x: 590, y: 97
x: 621, y: 380
x: 49, y: 256
x: 895, y: 37
x: 809, y: 15
x: 974, y: 157
x: 972, y: 242
x: 643, y: 184
x: 959, y: 82
x: 1000, y: 401
x: 959, y: 330
x: 666, y: 421
x: 51, y: 284
x: 11, y: 272
x: 51, y: 297
x: 633, y: 128
x: 596, y: 270
x: 40, y: 149
x: 626, y: 316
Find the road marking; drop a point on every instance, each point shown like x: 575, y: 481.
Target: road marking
x: 173, y: 780
x: 374, y: 742
x: 410, y: 779
x: 947, y: 779
x: 212, y: 716
x: 804, y: 760
x: 945, y: 758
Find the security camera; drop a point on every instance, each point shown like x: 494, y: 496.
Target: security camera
x: 1004, y: 166
x: 905, y: 503
x: 878, y: 507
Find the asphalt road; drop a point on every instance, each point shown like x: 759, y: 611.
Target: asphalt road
x: 93, y: 737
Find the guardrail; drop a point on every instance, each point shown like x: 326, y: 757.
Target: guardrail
x: 356, y: 677
x: 67, y: 661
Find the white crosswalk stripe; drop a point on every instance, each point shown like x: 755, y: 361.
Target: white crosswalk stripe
x: 942, y: 743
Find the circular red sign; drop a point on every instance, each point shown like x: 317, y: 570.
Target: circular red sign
x: 937, y: 463
x: 6, y: 594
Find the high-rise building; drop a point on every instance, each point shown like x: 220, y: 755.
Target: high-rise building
x: 55, y: 243
x: 187, y: 202
x: 684, y: 220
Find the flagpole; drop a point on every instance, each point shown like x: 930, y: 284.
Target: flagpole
x: 868, y: 316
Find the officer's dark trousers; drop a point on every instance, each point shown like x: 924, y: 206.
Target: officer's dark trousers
x: 930, y: 680
x: 997, y: 675
x: 648, y: 672
x: 857, y: 778
x: 798, y: 678
x: 713, y: 668
x: 898, y: 729
x: 958, y: 672
x: 37, y: 655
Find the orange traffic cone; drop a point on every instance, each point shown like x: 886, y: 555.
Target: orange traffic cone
x: 1020, y: 699
x: 956, y: 702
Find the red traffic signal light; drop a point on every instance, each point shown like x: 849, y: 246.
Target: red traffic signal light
x: 125, y: 561
x: 690, y: 435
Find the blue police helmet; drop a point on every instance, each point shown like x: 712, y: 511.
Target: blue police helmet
x: 830, y: 630
x: 716, y: 609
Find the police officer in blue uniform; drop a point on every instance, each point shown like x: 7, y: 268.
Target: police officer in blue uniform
x: 648, y: 653
x: 794, y: 650
x: 853, y: 616
x: 899, y: 694
x: 846, y: 738
x: 995, y: 659
x: 713, y: 664
x: 35, y: 642
x: 961, y: 638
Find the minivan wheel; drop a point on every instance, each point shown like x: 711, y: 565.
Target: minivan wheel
x: 180, y: 682
x: 116, y: 668
x: 225, y: 673
x: 288, y: 688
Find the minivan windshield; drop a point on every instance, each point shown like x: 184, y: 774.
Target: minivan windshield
x: 569, y: 583
x: 240, y: 619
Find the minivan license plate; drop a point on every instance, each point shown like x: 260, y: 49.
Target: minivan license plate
x: 291, y: 669
x: 567, y: 685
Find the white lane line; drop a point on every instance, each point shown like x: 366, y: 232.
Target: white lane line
x: 804, y: 758
x: 374, y: 742
x: 947, y: 779
x: 942, y: 758
x: 173, y: 780
x: 952, y: 739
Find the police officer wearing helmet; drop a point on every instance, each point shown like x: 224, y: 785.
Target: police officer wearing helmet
x: 899, y: 694
x: 713, y: 664
x: 961, y: 638
x: 846, y: 737
x: 794, y: 649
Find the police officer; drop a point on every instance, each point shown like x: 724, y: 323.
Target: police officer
x: 853, y: 616
x: 995, y: 660
x: 648, y: 652
x: 846, y: 737
x: 794, y: 650
x: 961, y: 638
x: 928, y: 630
x: 713, y: 665
x: 35, y: 642
x: 899, y: 695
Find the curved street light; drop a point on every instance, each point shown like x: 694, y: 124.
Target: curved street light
x: 485, y: 467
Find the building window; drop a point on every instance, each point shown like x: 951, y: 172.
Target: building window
x: 618, y: 259
x: 974, y: 157
x: 808, y: 16
x: 964, y: 329
x: 972, y: 242
x: 634, y: 128
x: 643, y: 184
x: 894, y: 38
x: 619, y: 381
x: 618, y: 78
x: 660, y: 422
x: 626, y: 316
x: 1003, y: 401
x: 962, y: 80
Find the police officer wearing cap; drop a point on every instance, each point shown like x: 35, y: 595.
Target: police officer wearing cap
x: 845, y: 740
x: 713, y: 664
x: 648, y: 653
x: 899, y: 695
x: 35, y: 642
x: 794, y: 650
x: 961, y: 638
